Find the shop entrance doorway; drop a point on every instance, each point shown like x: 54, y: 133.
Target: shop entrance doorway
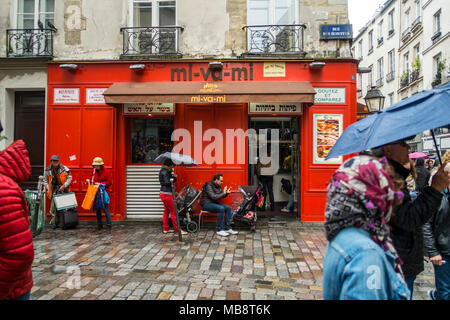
x: 29, y: 124
x: 278, y: 200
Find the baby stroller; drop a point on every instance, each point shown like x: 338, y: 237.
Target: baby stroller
x: 185, y: 201
x: 246, y: 211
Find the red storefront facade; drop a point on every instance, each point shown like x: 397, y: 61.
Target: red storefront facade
x: 81, y: 125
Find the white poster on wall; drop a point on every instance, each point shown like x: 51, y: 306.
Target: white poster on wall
x: 327, y: 128
x: 95, y: 95
x: 66, y: 96
x: 329, y: 95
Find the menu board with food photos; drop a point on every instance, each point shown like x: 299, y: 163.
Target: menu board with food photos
x: 327, y: 129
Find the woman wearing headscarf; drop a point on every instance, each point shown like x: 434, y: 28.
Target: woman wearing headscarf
x: 361, y: 262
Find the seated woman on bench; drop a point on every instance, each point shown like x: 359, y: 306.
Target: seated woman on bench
x: 211, y: 194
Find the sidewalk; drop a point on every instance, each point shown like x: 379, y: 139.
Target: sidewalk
x: 136, y: 261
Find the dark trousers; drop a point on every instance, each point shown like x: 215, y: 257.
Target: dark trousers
x: 107, y: 214
x: 221, y: 210
x: 267, y: 182
x: 442, y: 279
x: 410, y: 283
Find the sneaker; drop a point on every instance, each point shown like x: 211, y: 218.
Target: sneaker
x: 432, y: 294
x: 285, y: 210
x: 222, y: 233
x: 168, y: 231
x: 231, y: 231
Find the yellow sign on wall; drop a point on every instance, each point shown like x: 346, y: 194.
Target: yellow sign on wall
x: 274, y: 69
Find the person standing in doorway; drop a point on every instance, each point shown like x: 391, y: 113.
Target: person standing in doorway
x: 57, y: 179
x: 423, y: 175
x: 101, y: 175
x: 165, y: 174
x: 267, y: 182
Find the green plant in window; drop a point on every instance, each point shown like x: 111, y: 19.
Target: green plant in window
x: 415, y: 68
x: 404, y: 78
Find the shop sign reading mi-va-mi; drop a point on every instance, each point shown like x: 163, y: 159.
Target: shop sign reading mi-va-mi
x: 148, y: 108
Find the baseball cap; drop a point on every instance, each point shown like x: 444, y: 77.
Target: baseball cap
x: 54, y: 157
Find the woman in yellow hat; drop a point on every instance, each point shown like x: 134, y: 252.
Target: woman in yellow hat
x: 102, y: 175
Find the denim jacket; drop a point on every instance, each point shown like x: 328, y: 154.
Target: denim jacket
x: 356, y: 268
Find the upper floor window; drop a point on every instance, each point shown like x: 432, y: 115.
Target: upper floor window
x: 391, y: 20
x: 391, y: 60
x: 29, y: 12
x: 272, y: 12
x: 418, y: 8
x: 360, y: 48
x: 380, y: 30
x: 437, y: 21
x: 153, y: 13
x: 370, y: 40
x: 407, y: 19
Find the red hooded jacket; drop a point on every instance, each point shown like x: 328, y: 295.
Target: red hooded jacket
x: 16, y: 241
x: 103, y: 176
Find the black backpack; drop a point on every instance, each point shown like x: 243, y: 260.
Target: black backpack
x: 286, y: 186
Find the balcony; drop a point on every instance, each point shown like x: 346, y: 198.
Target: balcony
x: 151, y: 41
x: 390, y: 76
x: 391, y: 32
x: 406, y: 34
x: 380, y: 41
x: 417, y: 23
x: 436, y: 37
x: 380, y: 82
x: 275, y: 39
x: 21, y: 43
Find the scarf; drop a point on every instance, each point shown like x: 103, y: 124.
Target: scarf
x: 361, y: 194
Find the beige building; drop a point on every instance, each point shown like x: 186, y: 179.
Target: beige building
x: 406, y: 44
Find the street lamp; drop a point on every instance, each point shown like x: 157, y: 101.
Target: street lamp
x: 374, y: 100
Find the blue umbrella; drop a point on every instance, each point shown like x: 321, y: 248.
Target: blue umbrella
x: 177, y: 158
x: 423, y: 111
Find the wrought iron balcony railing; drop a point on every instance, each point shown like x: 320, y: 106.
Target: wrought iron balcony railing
x: 390, y: 76
x: 380, y: 82
x: 406, y: 33
x: 275, y: 39
x: 29, y: 43
x: 416, y: 23
x: 145, y: 41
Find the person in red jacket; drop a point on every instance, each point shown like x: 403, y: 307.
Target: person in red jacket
x: 102, y: 175
x: 16, y: 241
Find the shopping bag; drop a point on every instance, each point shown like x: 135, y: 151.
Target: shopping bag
x: 107, y: 199
x: 99, y: 201
x: 88, y: 201
x: 260, y: 200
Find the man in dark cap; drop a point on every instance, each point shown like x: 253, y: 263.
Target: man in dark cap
x: 57, y: 179
x: 409, y: 217
x: 423, y: 175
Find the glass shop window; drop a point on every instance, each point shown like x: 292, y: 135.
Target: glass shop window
x: 150, y: 138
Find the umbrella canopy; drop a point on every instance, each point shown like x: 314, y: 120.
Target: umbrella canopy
x: 177, y: 158
x: 423, y: 111
x: 416, y: 155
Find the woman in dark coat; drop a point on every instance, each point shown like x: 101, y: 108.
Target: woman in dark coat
x: 165, y: 174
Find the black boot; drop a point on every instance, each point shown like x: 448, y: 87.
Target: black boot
x: 99, y: 227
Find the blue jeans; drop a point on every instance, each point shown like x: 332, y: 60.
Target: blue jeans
x: 410, y: 283
x: 107, y: 214
x: 220, y: 209
x: 25, y: 296
x: 442, y: 279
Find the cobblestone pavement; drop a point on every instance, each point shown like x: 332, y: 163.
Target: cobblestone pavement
x: 136, y: 261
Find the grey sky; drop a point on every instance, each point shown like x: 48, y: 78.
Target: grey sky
x: 361, y: 11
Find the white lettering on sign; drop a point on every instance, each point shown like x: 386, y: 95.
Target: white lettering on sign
x: 66, y: 96
x: 260, y: 107
x: 95, y: 95
x: 329, y: 95
x: 146, y: 108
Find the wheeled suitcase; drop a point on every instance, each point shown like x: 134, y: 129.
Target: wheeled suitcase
x: 68, y: 218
